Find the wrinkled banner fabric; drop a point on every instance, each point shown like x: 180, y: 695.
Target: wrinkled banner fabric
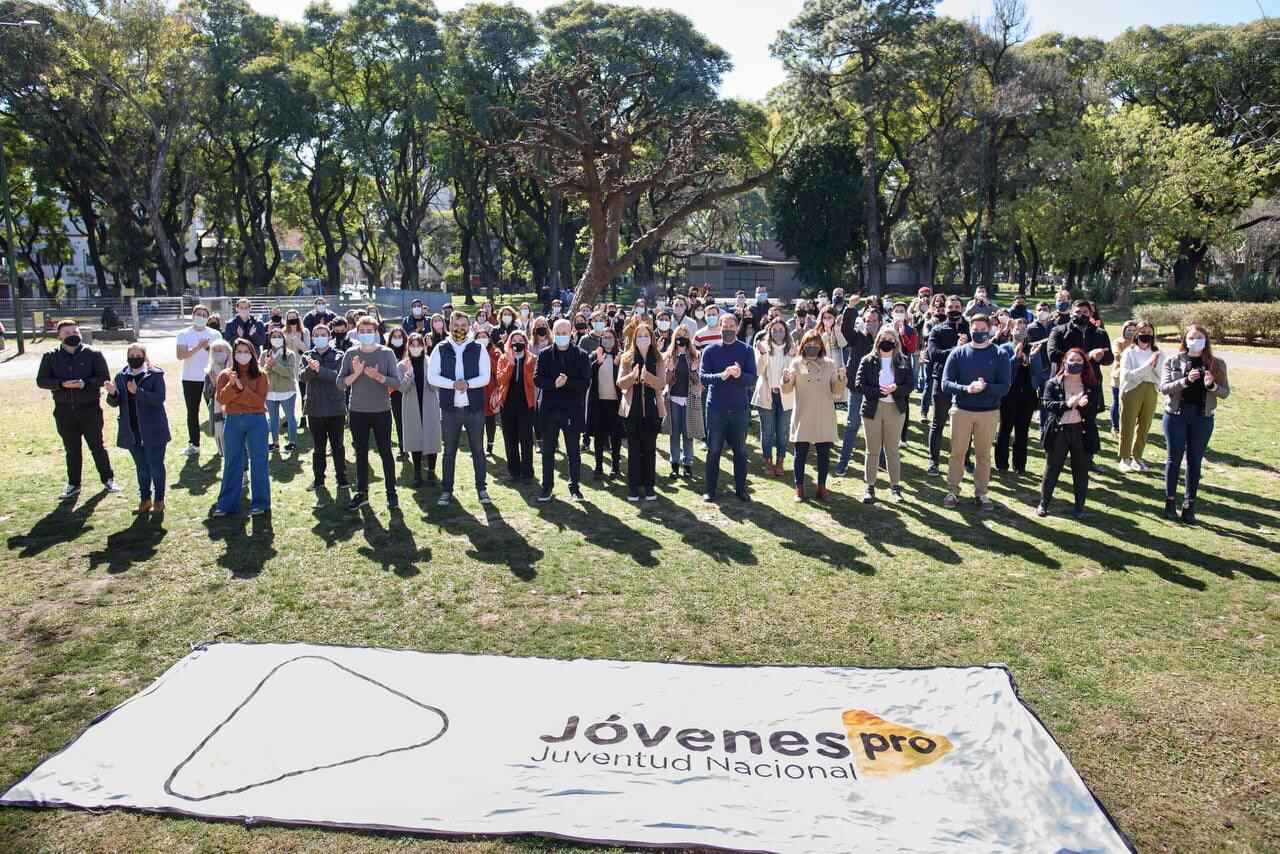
x: 787, y: 759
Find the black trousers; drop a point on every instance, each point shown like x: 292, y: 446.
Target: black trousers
x: 327, y: 430
x: 553, y: 423
x: 490, y: 429
x: 609, y: 430
x: 1067, y: 442
x: 193, y: 397
x: 397, y: 412
x: 77, y: 423
x: 1016, y: 410
x: 941, y: 414
x: 517, y: 437
x: 379, y: 423
x: 801, y: 456
x: 642, y: 460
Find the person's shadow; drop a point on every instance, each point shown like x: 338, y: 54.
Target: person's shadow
x: 392, y: 547
x: 249, y: 543
x: 61, y: 525
x: 197, y: 478
x: 131, y: 546
x: 499, y: 543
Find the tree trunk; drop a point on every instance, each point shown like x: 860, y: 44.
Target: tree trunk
x: 1035, y: 263
x: 464, y: 255
x: 1021, y: 257
x: 1191, y: 253
x: 1124, y: 286
x: 876, y: 264
x: 553, y: 244
x: 1072, y: 269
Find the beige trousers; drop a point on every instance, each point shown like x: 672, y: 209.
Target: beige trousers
x: 883, y: 432
x: 981, y: 428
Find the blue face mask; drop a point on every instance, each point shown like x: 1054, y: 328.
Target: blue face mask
x: 367, y: 338
x: 597, y: 325
x: 713, y: 320
x: 762, y: 297
x: 979, y: 336
x: 562, y: 341
x: 1195, y: 346
x: 320, y: 342
x: 1064, y: 307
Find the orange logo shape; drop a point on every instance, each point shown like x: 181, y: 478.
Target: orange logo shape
x: 882, y: 748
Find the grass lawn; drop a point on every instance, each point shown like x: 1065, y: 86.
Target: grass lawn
x: 1152, y: 651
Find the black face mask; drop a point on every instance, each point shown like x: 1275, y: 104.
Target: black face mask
x: 517, y: 347
x: 953, y: 316
x: 72, y: 341
x: 1080, y: 319
x: 681, y: 344
x: 1146, y: 339
x: 1075, y: 367
x: 886, y: 346
x: 136, y: 362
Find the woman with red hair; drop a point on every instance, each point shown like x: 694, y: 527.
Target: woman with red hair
x: 1072, y: 400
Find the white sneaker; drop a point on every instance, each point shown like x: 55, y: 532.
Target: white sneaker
x: 68, y: 491
x: 191, y: 451
x: 110, y: 486
x: 443, y: 499
x: 1125, y: 467
x: 1138, y: 464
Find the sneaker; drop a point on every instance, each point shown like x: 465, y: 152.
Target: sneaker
x: 416, y: 483
x: 633, y: 496
x: 869, y: 497
x: 1138, y: 464
x: 273, y: 447
x: 576, y: 495
x: 191, y: 450
x: 289, y: 446
x: 218, y: 514
x: 342, y: 484
x: 357, y: 501
x: 258, y: 511
x: 1125, y: 466
x: 68, y: 491
x: 402, y: 456
x: 110, y: 485
x: 896, y: 494
x: 444, y: 499
x: 1042, y: 511
x: 598, y: 474
x: 688, y: 471
x: 934, y: 470
x: 840, y: 471
x: 544, y: 496
x: 951, y: 502
x: 983, y: 502
x: 1078, y: 514
x: 651, y: 496
x: 483, y: 495
x: 743, y: 497
x: 314, y: 485
x: 393, y: 502
x: 432, y: 480
x: 708, y: 498
x: 675, y: 474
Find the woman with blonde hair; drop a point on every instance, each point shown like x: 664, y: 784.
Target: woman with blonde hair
x: 885, y: 380
x: 1193, y: 381
x: 684, y: 400
x: 774, y: 352
x: 219, y: 361
x: 1138, y: 371
x: 1124, y: 342
x: 641, y: 378
x: 816, y: 382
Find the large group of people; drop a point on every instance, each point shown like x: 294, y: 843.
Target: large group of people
x: 591, y: 379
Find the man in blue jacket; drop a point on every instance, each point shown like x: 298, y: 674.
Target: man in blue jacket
x: 976, y: 376
x: 729, y: 374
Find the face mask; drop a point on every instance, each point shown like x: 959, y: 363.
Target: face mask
x: 1064, y: 307
x: 954, y: 316
x: 1075, y: 367
x: 459, y: 335
x: 517, y: 347
x: 416, y: 352
x: 417, y: 311
x: 220, y: 358
x: 136, y: 362
x: 811, y: 351
x: 1195, y: 346
x: 539, y: 333
x: 778, y: 336
x: 979, y: 336
x: 607, y: 344
x: 507, y: 320
x: 397, y: 342
x: 243, y: 315
x: 275, y: 318
x: 277, y: 343
x: 639, y: 309
x: 367, y: 339
x: 321, y: 342
x: 886, y: 346
x: 762, y: 297
x: 562, y: 341
x: 828, y: 320
x: 900, y: 315
x: 340, y: 334
x: 872, y: 328
x: 1043, y: 314
x: 728, y: 337
x: 662, y: 304
x: 1019, y: 334
x: 244, y: 358
x: 713, y: 320
x: 555, y: 309
x: 72, y: 341
x: 981, y: 297
x: 1080, y: 319
x: 1128, y: 334
x: 598, y: 325
x: 682, y: 343
x: 643, y: 343
x: 482, y: 341
x: 699, y: 314
x: 1144, y: 338
x: 438, y: 326
x: 524, y: 312
x: 199, y: 321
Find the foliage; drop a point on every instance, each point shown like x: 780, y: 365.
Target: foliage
x: 1238, y: 321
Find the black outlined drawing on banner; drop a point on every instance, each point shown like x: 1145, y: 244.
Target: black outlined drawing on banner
x: 168, y: 783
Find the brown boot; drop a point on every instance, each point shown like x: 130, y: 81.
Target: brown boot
x: 144, y: 508
x: 158, y: 507
x: 799, y: 493
x: 779, y: 468
x: 823, y: 495
x: 768, y: 467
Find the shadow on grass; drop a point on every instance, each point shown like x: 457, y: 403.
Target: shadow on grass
x: 500, y: 544
x: 196, y: 478
x: 134, y: 545
x: 391, y: 546
x: 66, y: 522
x: 249, y: 543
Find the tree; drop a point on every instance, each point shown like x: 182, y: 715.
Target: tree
x: 817, y: 207
x: 590, y: 140
x: 849, y: 50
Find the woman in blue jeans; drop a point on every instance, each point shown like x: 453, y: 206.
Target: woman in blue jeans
x: 774, y: 353
x: 684, y: 400
x: 138, y: 391
x: 242, y: 391
x: 1193, y: 382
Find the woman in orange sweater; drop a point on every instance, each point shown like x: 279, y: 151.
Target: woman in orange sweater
x: 242, y: 391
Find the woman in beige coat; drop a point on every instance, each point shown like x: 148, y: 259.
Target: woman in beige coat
x: 774, y: 353
x: 817, y: 382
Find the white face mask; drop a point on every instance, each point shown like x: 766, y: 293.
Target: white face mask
x: 899, y: 315
x: 664, y: 325
x: 397, y: 342
x: 524, y: 312
x: 244, y: 358
x: 1195, y: 346
x: 199, y: 321
x: 643, y: 343
x: 415, y: 351
x: 278, y: 343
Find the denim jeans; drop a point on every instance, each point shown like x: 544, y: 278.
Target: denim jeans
x: 775, y: 429
x: 727, y: 425
x: 1115, y: 408
x: 851, y: 429
x: 273, y: 418
x: 1186, y: 433
x: 150, y: 464
x: 244, y: 434
x: 926, y: 397
x: 681, y: 441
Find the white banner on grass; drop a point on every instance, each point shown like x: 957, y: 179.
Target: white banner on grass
x: 788, y: 759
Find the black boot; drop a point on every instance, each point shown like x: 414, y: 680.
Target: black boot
x: 1171, y: 509
x: 1189, y: 511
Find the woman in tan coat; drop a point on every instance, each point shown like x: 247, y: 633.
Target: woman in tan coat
x: 816, y: 382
